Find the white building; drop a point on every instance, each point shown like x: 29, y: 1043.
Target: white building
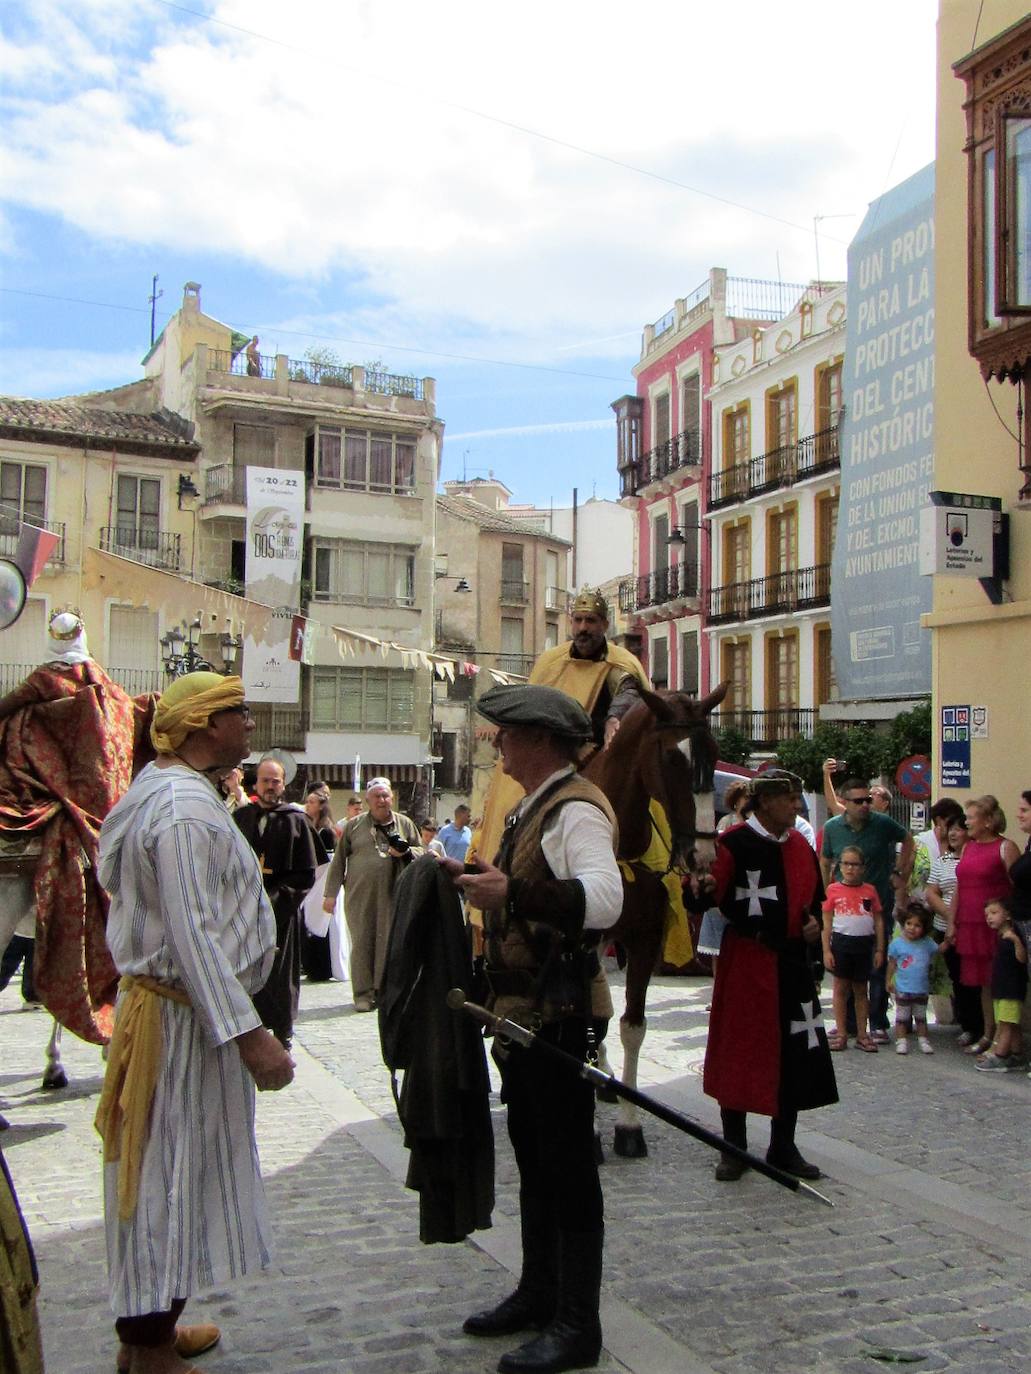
x: 773, y: 502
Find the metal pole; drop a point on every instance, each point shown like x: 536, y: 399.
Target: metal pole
x: 456, y: 1000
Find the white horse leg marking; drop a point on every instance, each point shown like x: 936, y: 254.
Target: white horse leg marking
x: 705, y: 820
x: 632, y: 1038
x: 54, y: 1075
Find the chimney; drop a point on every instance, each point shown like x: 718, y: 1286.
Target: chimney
x: 191, y: 298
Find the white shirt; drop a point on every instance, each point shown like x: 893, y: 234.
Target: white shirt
x: 577, y: 843
x: 806, y: 830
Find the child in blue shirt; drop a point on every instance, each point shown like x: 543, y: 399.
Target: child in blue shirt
x: 910, y: 956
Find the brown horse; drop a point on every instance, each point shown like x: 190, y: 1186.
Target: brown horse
x: 663, y: 751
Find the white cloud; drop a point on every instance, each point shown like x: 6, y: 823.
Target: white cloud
x: 338, y: 146
x: 48, y: 371
x: 558, y: 427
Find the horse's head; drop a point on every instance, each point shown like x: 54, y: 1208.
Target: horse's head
x: 677, y: 761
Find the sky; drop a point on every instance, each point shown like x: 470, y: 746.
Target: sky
x: 497, y: 196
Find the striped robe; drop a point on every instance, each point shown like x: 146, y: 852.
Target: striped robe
x: 188, y: 906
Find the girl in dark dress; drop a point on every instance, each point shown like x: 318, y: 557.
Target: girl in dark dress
x: 1020, y: 872
x: 315, y: 955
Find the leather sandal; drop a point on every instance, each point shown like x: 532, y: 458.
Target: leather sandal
x: 866, y: 1043
x: 837, y: 1042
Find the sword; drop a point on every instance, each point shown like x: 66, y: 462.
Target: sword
x: 521, y: 1035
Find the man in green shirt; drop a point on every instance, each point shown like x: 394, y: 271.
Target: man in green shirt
x: 886, y: 847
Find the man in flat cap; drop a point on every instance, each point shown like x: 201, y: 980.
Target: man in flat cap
x: 767, y: 1050
x: 552, y: 889
x: 193, y: 936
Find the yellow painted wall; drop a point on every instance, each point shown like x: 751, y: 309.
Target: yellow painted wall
x: 980, y: 653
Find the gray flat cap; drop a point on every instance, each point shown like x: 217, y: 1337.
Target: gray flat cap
x: 544, y: 707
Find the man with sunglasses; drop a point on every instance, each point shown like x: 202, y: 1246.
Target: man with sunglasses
x: 887, y: 849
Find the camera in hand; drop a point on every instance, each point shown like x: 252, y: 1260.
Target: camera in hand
x: 396, y: 841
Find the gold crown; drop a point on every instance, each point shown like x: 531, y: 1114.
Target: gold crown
x: 73, y: 632
x: 589, y: 601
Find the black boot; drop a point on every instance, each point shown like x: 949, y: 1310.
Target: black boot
x: 783, y: 1151
x: 533, y: 1303
x: 573, y: 1339
x: 730, y: 1169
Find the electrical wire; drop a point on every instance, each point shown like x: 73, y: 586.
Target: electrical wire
x: 1001, y: 421
x: 332, y: 338
x: 429, y: 96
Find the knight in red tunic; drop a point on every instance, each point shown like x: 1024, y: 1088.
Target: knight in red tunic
x: 767, y: 1050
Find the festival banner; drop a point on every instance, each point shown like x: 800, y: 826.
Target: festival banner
x: 887, y: 449
x: 275, y: 533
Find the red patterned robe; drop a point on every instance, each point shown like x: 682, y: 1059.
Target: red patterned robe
x: 70, y: 741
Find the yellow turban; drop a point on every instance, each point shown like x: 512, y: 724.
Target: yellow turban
x: 189, y: 704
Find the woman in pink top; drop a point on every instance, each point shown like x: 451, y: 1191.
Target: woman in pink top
x: 981, y: 875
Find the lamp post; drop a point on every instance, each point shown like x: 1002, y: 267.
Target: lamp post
x: 180, y: 649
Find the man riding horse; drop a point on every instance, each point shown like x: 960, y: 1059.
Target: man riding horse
x: 603, y: 677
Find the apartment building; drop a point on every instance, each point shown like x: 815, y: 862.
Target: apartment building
x: 107, y: 480
x: 664, y: 458
x: 501, y: 599
x: 365, y: 446
x: 776, y: 398
x: 981, y: 631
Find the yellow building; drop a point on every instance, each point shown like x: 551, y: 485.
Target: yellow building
x: 103, y: 479
x: 980, y: 650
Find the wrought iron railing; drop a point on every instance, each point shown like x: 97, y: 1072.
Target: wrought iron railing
x: 515, y: 591
x: 390, y: 384
x: 239, y: 365
x: 764, y: 728
x: 155, y: 548
x: 678, y: 582
x: 278, y: 727
x: 138, y: 681
x: 681, y: 451
x: 11, y: 521
x: 320, y: 374
x: 225, y: 484
x: 799, y: 589
x: 778, y: 467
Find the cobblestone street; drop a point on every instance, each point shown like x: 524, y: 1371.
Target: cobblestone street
x: 925, y: 1252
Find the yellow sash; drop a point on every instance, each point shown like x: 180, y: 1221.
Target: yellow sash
x: 133, y: 1065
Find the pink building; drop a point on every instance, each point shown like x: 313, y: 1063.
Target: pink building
x: 664, y: 457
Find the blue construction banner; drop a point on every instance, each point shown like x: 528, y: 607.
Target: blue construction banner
x: 887, y: 449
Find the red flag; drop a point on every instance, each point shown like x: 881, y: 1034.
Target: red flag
x: 34, y: 548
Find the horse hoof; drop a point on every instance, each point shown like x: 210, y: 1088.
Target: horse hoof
x: 606, y: 1095
x: 628, y: 1142
x: 54, y: 1079
x: 599, y: 1152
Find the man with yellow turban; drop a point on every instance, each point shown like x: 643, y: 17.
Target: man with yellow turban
x: 193, y: 936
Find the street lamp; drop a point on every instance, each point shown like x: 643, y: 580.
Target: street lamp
x: 230, y: 645
x: 180, y: 649
x: 676, y: 534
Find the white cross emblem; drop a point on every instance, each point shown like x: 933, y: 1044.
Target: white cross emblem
x: 755, y: 894
x: 812, y: 1020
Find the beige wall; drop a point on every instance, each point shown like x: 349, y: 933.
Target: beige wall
x: 81, y: 495
x: 979, y: 652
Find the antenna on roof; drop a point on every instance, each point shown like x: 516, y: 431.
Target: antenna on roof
x: 154, y: 297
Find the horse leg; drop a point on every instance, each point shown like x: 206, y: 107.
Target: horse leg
x: 642, y: 935
x: 54, y: 1075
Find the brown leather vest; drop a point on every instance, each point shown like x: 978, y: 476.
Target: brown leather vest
x: 508, y: 950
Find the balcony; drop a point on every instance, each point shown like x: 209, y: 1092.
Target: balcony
x: 514, y: 591
x: 780, y: 467
x: 278, y: 727
x: 765, y: 729
x: 11, y: 522
x: 268, y: 367
x: 225, y: 485
x: 555, y: 599
x: 155, y: 548
x: 799, y: 589
x: 676, y: 583
x: 683, y: 450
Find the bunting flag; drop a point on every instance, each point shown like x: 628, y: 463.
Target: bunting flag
x: 34, y: 548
